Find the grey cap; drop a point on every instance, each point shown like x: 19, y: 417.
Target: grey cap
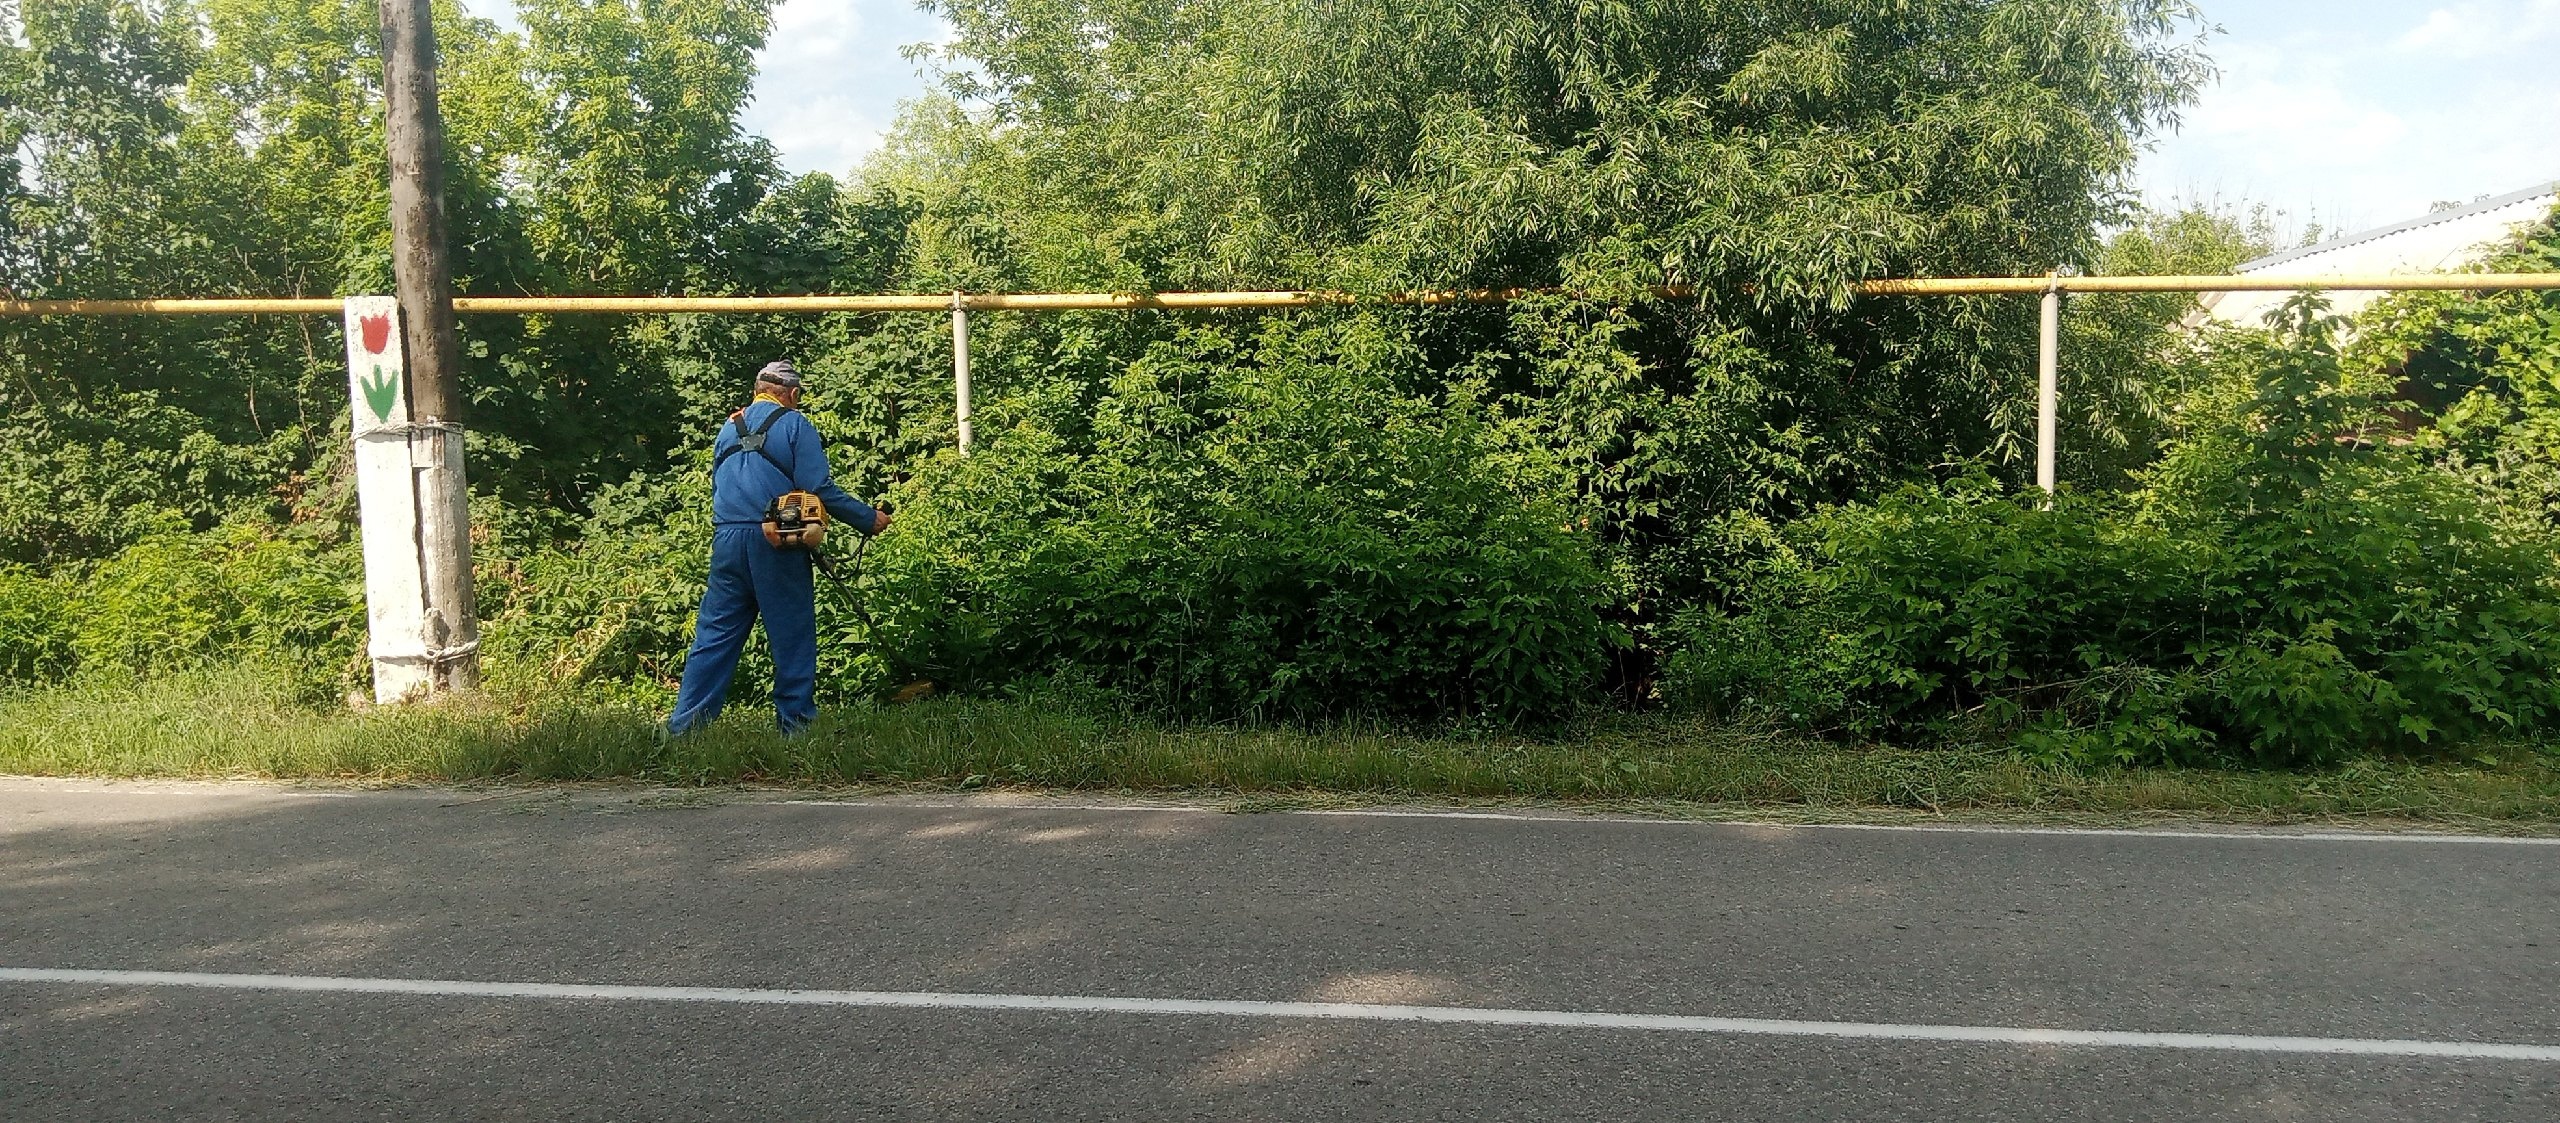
x: 780, y: 372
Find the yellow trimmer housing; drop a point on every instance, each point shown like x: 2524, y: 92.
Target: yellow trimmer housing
x: 795, y: 520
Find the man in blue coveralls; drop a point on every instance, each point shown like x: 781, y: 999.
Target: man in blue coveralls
x: 763, y: 451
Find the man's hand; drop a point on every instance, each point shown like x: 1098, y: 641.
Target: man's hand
x: 879, y: 520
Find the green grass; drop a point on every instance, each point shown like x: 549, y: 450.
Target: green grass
x: 237, y: 726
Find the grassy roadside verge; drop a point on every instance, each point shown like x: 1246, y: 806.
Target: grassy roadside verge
x: 234, y: 726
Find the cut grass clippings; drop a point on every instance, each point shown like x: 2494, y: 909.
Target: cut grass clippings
x: 235, y: 726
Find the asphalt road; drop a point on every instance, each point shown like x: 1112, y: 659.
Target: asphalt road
x: 1819, y: 933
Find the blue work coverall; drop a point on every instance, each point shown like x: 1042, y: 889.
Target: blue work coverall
x: 750, y: 578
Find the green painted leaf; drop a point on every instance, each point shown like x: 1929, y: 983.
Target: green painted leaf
x: 381, y: 392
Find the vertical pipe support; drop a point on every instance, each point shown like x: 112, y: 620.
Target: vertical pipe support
x: 960, y: 365
x: 2048, y: 380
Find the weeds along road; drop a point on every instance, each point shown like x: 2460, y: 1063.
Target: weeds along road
x: 220, y: 952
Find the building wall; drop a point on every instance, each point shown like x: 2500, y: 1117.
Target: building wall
x: 2434, y: 244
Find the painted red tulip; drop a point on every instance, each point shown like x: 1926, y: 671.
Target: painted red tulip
x: 377, y: 333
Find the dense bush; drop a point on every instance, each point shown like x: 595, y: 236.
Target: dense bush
x: 87, y: 483
x: 2290, y: 587
x: 1237, y: 528
x: 1263, y: 527
x: 2483, y: 370
x: 607, y: 612
x: 246, y: 593
x: 1931, y: 605
x: 35, y: 631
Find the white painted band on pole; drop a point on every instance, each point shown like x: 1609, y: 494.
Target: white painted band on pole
x: 1322, y: 1011
x: 395, y: 593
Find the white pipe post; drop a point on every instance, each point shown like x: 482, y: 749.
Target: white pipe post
x: 960, y: 365
x: 2048, y: 383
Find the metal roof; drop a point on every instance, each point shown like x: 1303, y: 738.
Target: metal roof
x: 2545, y: 191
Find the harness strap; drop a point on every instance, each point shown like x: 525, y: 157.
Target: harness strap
x: 754, y: 442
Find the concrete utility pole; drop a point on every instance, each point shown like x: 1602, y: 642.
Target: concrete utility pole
x: 423, y: 269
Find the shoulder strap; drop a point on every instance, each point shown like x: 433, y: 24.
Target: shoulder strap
x: 754, y: 442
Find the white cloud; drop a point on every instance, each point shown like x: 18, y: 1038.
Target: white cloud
x: 2360, y: 122
x: 2480, y: 30
x: 828, y: 133
x: 831, y: 77
x: 2290, y: 121
x: 829, y: 80
x: 812, y: 29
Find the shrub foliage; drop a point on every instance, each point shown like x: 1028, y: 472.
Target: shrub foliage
x: 2292, y: 585
x: 2277, y: 551
x: 1263, y: 526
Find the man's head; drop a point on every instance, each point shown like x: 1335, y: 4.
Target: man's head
x: 780, y: 381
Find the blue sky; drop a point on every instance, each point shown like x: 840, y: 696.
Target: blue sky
x: 2351, y: 113
x: 2362, y: 112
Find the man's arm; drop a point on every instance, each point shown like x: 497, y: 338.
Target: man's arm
x: 810, y: 472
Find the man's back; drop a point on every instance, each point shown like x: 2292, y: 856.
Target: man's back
x: 793, y: 458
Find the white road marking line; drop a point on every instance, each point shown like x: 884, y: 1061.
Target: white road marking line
x: 991, y: 805
x: 38, y: 784
x: 45, y: 786
x: 1332, y: 1011
x: 2170, y: 832
x: 2174, y: 832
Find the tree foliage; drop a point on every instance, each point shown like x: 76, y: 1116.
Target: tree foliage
x: 1422, y: 511
x: 1769, y: 154
x: 2127, y: 358
x: 233, y: 147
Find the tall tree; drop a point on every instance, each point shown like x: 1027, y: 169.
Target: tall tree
x: 1769, y: 152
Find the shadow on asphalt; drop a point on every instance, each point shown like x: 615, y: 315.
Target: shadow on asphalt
x: 2092, y: 933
